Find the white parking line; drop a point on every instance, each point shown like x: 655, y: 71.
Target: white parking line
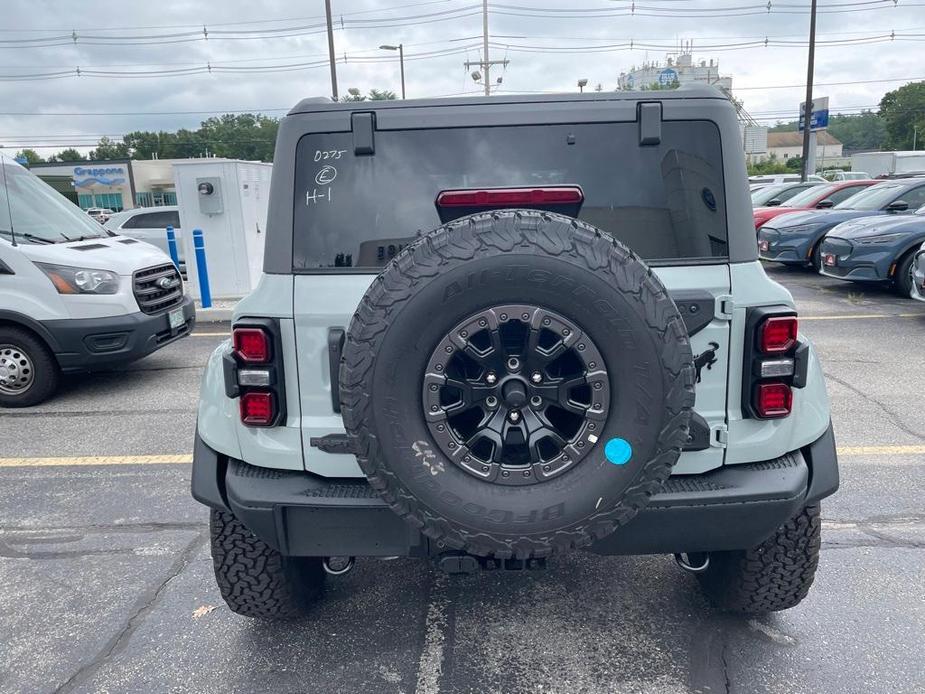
x: 430, y: 665
x: 861, y: 316
x: 187, y: 458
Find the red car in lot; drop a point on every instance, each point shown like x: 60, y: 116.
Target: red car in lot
x: 818, y: 197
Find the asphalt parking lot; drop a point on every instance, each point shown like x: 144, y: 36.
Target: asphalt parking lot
x: 107, y: 586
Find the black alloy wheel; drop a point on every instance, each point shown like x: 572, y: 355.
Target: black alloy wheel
x: 515, y: 394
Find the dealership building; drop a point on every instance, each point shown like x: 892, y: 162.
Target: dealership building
x: 120, y: 184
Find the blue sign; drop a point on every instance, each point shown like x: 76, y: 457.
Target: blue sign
x: 104, y: 176
x: 820, y: 114
x: 667, y: 77
x: 21, y: 160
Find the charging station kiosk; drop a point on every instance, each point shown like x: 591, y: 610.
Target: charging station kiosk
x: 228, y: 200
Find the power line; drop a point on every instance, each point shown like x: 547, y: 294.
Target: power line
x: 206, y: 34
x: 221, y: 67
x: 237, y: 23
x: 348, y: 20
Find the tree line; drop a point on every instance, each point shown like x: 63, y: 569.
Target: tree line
x: 248, y: 136
x: 899, y: 122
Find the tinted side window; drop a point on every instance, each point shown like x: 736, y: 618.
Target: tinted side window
x: 915, y: 197
x: 790, y: 192
x: 666, y: 202
x: 844, y: 193
x: 153, y: 220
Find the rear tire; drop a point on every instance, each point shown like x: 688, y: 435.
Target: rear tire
x: 256, y: 580
x: 775, y: 575
x: 28, y: 370
x: 903, y: 280
x: 815, y: 258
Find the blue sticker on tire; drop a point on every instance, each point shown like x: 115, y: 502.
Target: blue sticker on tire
x: 618, y: 451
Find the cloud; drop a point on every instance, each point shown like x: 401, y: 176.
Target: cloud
x: 527, y: 71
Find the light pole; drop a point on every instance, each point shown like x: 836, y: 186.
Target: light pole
x: 808, y: 139
x: 582, y: 83
x: 401, y: 59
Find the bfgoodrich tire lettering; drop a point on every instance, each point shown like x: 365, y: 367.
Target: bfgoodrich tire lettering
x: 515, y: 257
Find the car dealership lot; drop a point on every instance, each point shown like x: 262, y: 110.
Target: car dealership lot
x: 106, y: 575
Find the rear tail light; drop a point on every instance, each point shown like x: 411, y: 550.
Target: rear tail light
x: 258, y: 408
x: 511, y: 197
x: 777, y: 334
x: 775, y: 362
x: 253, y: 372
x: 251, y: 345
x: 773, y: 400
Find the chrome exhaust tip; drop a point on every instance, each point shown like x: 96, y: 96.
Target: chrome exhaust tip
x: 338, y: 566
x: 695, y: 562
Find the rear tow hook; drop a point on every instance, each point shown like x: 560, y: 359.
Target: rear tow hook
x: 695, y: 562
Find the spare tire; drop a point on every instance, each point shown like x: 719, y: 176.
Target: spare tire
x: 516, y: 383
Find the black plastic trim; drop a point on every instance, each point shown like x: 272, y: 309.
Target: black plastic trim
x: 336, y: 339
x: 697, y: 308
x: 35, y: 326
x: 363, y: 126
x: 650, y: 123
x: 823, y: 464
x: 800, y: 365
x: 698, y: 437
x: 207, y: 481
x: 230, y: 375
x: 733, y: 507
x: 75, y: 341
x: 331, y: 443
x: 5, y: 269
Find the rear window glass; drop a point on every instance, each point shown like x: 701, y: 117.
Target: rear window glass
x: 666, y: 202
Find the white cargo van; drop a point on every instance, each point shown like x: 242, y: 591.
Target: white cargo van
x: 74, y: 296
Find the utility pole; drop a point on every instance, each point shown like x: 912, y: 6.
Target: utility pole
x: 401, y: 63
x: 485, y: 47
x: 808, y: 138
x: 327, y: 12
x: 485, y: 63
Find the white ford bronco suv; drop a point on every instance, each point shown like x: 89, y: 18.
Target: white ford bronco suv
x: 493, y: 330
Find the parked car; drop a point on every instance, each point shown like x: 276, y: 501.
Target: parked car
x: 72, y: 296
x: 874, y: 249
x: 774, y: 195
x: 794, y: 239
x: 784, y: 178
x: 918, y: 275
x: 100, y: 214
x: 149, y: 224
x: 908, y: 174
x: 518, y: 381
x: 819, y: 197
x: 839, y: 175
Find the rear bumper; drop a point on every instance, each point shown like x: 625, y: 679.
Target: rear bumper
x: 302, y: 514
x: 88, y: 343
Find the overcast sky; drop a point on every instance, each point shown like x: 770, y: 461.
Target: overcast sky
x: 27, y: 28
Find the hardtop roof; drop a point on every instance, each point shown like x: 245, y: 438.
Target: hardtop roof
x: 322, y: 103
